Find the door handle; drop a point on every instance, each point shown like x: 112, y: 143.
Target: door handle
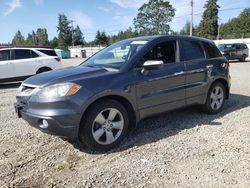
x: 179, y: 73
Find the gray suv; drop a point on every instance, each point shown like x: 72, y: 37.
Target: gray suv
x: 99, y: 101
x: 234, y: 51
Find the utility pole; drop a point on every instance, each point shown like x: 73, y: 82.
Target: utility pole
x: 191, y: 18
x: 219, y: 22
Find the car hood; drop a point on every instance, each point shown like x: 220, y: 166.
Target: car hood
x: 65, y: 75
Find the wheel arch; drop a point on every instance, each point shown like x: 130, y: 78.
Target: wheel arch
x: 225, y: 84
x: 43, y: 68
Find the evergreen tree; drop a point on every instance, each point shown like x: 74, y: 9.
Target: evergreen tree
x: 101, y: 38
x: 42, y: 36
x: 154, y: 17
x: 65, y: 32
x: 54, y: 42
x: 238, y: 27
x: 18, y: 39
x: 208, y: 26
x: 78, y: 36
x: 29, y: 40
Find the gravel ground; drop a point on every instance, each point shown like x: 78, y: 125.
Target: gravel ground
x: 184, y: 148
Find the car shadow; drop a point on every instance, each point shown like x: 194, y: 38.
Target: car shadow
x: 168, y: 124
x: 10, y: 85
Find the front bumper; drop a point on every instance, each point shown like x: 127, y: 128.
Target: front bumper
x: 55, y: 127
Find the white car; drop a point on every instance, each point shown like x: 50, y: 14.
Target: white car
x: 17, y: 64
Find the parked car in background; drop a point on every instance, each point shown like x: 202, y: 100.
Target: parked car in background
x: 234, y: 51
x: 101, y: 99
x: 19, y: 63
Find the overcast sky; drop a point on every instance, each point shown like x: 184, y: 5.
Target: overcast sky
x: 91, y: 15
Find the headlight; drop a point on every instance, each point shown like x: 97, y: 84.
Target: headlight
x: 58, y: 90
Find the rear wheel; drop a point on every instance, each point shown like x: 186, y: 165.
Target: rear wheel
x: 215, y: 99
x: 104, y: 125
x: 243, y: 58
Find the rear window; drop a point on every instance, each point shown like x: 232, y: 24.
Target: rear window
x: 4, y: 55
x: 191, y: 50
x: 48, y: 52
x: 211, y: 50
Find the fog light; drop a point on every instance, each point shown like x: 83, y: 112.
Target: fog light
x: 44, y: 124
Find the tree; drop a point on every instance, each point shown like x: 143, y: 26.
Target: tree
x: 29, y: 40
x: 18, y: 39
x: 154, y: 17
x: 186, y: 29
x: 42, y: 36
x: 54, y: 42
x: 238, y: 27
x: 101, y: 38
x: 78, y: 36
x: 121, y: 35
x: 208, y: 26
x: 65, y: 32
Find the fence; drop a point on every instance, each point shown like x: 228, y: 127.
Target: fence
x: 84, y: 51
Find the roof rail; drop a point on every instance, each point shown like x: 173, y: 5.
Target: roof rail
x: 24, y: 46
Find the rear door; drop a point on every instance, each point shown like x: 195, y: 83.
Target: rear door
x: 163, y: 89
x: 25, y: 63
x: 6, y: 65
x: 193, y: 57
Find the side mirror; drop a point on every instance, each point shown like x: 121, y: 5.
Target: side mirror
x: 152, y: 65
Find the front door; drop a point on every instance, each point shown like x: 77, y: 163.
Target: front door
x: 162, y: 89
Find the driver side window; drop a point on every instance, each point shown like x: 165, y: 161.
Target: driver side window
x: 164, y: 51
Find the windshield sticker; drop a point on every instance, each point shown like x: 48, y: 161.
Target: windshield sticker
x: 139, y: 42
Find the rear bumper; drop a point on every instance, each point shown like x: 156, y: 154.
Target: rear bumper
x: 54, y: 126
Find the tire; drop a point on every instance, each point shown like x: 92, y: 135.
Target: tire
x: 44, y: 69
x: 215, y: 99
x: 104, y: 125
x: 243, y: 58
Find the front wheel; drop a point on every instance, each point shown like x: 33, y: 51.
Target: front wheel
x: 104, y: 125
x: 215, y: 99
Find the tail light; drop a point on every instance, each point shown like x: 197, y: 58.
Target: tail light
x: 58, y: 59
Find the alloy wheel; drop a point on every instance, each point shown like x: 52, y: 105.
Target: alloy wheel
x: 107, y: 126
x: 217, y: 97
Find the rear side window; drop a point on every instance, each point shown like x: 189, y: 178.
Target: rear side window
x: 5, y: 55
x: 22, y: 54
x: 48, y: 52
x: 191, y: 50
x: 211, y: 50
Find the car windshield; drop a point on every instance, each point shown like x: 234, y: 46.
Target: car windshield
x: 225, y: 46
x: 115, y: 55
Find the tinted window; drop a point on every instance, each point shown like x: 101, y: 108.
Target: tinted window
x: 34, y: 54
x: 211, y: 50
x: 4, y: 55
x: 22, y: 54
x: 191, y: 50
x: 48, y: 52
x: 163, y: 51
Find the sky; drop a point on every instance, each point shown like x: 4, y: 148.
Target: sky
x: 110, y: 16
